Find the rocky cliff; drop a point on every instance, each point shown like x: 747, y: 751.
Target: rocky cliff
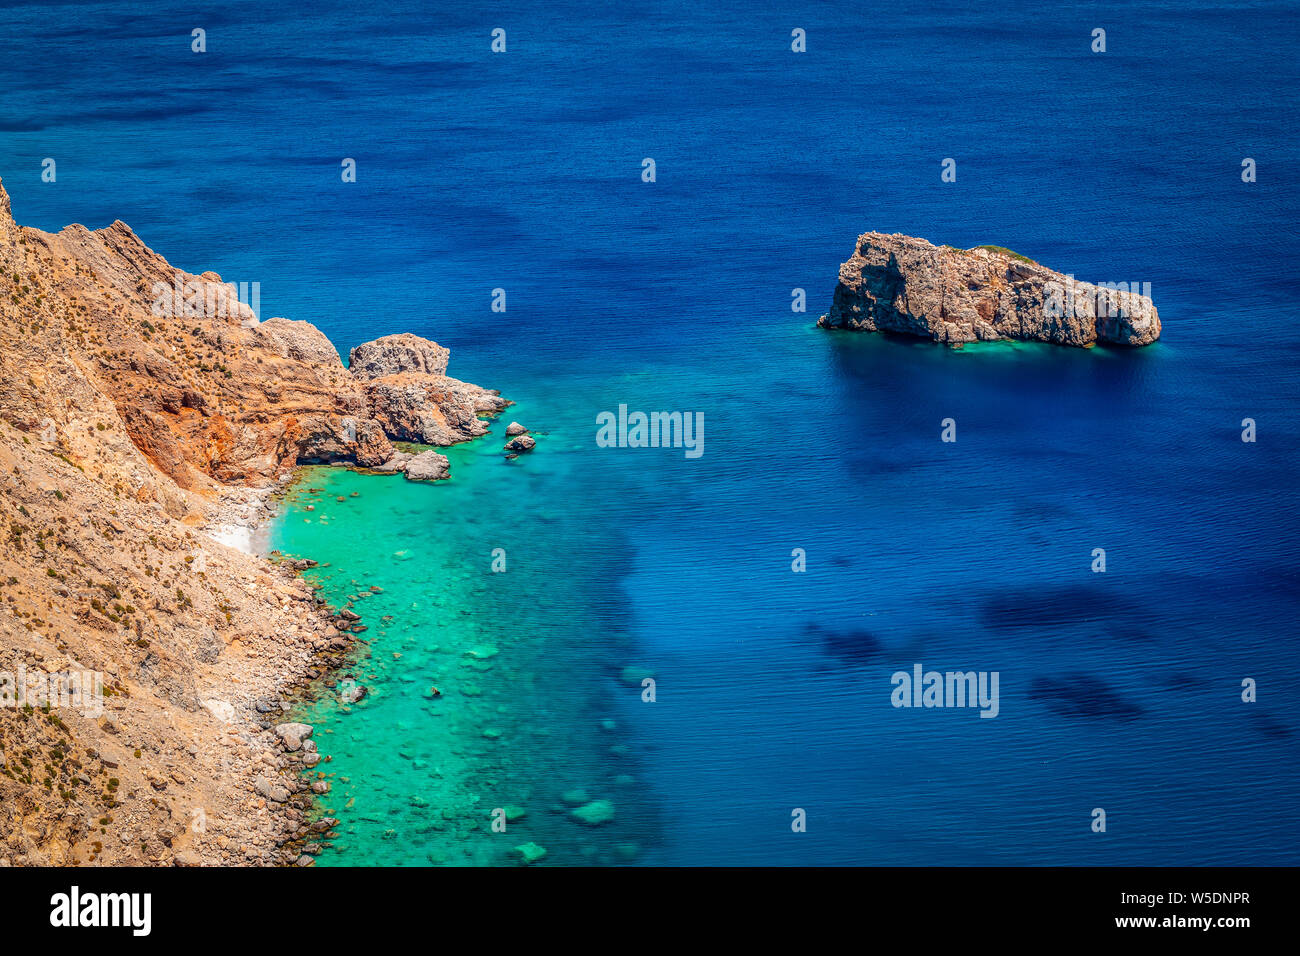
x: 895, y: 283
x: 133, y: 423
x: 206, y: 391
x: 410, y: 396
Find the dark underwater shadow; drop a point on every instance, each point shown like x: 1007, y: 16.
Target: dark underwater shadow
x: 854, y: 647
x: 1063, y: 606
x: 1082, y: 696
x: 1269, y: 727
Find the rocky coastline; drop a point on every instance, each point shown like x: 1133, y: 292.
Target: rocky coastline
x: 143, y: 436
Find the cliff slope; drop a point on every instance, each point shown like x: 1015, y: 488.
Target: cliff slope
x: 125, y: 436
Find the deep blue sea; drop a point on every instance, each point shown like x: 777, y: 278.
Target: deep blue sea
x: 522, y: 171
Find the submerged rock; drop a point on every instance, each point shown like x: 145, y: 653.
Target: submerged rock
x: 530, y: 852
x: 635, y: 675
x: 595, y: 813
x: 896, y: 283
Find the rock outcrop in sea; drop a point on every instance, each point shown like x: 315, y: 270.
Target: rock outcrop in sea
x: 411, y: 397
x: 900, y: 284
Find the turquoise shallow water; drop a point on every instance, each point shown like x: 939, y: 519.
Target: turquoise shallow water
x: 522, y: 657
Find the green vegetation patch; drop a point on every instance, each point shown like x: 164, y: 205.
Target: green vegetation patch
x: 1003, y: 250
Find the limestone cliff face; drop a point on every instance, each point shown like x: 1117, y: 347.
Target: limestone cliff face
x: 124, y: 434
x: 411, y: 397
x: 895, y: 283
x: 404, y: 352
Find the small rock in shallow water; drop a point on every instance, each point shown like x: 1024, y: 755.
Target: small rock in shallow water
x: 514, y: 428
x: 530, y: 852
x: 595, y: 813
x: 521, y: 443
x: 635, y: 675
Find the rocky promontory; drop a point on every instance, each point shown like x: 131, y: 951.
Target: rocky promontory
x: 900, y: 284
x: 143, y: 409
x: 211, y: 395
x: 411, y: 397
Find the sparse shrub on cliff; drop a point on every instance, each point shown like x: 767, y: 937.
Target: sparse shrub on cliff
x: 1003, y: 250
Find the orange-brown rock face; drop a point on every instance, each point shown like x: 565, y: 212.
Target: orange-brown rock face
x: 206, y: 391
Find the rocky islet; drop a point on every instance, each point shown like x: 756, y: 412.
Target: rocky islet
x: 909, y: 286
